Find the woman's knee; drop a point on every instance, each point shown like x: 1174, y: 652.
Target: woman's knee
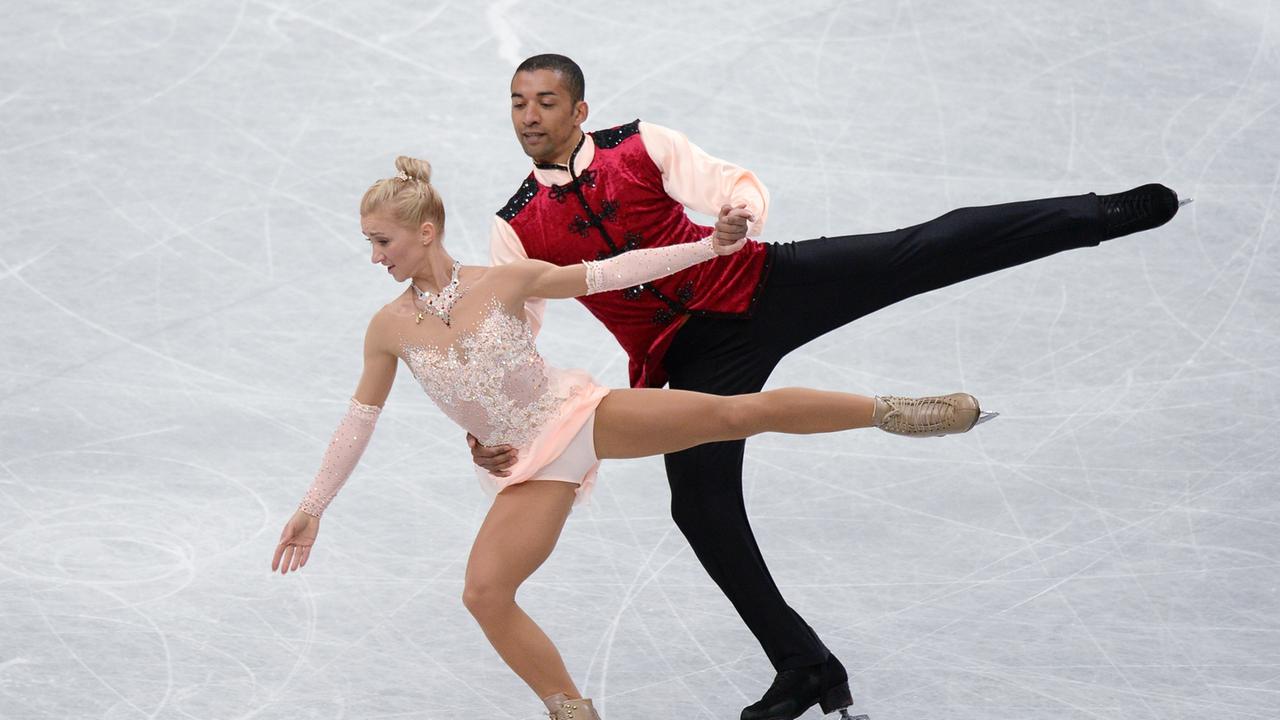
x: 739, y: 416
x: 484, y: 597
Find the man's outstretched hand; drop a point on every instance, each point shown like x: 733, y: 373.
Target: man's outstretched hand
x: 731, y: 225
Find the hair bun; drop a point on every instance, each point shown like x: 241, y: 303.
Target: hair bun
x: 414, y: 169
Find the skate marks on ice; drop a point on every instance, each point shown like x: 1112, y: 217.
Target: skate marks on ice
x: 185, y: 291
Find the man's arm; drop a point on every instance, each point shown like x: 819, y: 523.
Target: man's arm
x: 505, y: 247
x: 701, y: 182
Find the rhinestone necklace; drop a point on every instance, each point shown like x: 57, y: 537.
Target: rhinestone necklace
x: 439, y: 305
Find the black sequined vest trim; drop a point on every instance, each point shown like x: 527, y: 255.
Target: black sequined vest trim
x: 613, y: 137
x: 528, y: 190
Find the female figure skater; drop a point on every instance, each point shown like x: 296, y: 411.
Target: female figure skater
x: 461, y: 332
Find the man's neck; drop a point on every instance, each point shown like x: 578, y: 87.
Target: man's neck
x: 562, y: 158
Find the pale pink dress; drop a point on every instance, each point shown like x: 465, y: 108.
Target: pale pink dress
x: 493, y: 382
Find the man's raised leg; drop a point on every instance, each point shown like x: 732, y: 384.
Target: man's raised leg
x: 818, y: 285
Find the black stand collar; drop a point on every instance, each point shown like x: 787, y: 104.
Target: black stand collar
x: 572, y: 157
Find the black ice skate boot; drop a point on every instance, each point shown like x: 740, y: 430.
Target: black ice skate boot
x: 1142, y: 208
x: 795, y: 691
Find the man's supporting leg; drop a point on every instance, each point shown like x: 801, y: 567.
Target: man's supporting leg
x: 707, y: 505
x: 716, y: 356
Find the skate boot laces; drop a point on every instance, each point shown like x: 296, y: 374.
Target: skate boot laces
x: 931, y: 416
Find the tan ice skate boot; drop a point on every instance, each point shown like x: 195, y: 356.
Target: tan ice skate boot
x: 928, y: 416
x: 566, y: 709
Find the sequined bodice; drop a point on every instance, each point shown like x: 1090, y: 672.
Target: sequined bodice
x: 491, y: 380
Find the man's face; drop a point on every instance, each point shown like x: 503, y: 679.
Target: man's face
x: 545, y: 118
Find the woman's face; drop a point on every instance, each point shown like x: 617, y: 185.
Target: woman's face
x: 401, y: 249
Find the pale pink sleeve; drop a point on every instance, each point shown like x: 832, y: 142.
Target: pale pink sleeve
x: 640, y: 266
x: 702, y: 182
x: 341, y: 457
x: 505, y: 247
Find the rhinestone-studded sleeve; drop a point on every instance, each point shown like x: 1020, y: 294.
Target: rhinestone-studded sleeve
x: 641, y: 266
x: 344, y: 451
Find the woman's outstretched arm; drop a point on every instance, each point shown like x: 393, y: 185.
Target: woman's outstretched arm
x: 545, y: 280
x: 344, y: 450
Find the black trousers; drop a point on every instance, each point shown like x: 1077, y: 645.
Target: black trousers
x: 813, y: 287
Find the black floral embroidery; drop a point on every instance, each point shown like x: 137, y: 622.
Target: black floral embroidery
x: 588, y: 178
x: 608, y: 210
x: 580, y: 225
x: 632, y: 240
x: 633, y: 292
x: 663, y: 316
x: 559, y: 193
x: 685, y: 292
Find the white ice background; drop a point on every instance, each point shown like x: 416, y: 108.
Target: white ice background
x: 184, y: 288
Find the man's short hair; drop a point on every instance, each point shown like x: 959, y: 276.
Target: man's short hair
x: 570, y: 73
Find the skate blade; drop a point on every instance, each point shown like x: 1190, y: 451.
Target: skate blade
x: 985, y: 416
x: 1183, y: 202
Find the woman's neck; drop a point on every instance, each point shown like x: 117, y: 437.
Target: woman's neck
x: 437, y: 273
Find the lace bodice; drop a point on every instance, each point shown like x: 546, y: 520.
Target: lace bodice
x: 491, y: 380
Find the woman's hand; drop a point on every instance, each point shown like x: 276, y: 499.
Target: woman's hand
x: 296, y: 539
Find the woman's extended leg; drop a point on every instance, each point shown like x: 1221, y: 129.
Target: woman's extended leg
x: 638, y: 422
x: 517, y: 536
x: 642, y: 421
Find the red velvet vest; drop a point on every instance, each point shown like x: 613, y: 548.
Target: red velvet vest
x: 618, y: 204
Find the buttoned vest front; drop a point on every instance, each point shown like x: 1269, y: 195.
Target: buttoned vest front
x: 618, y: 204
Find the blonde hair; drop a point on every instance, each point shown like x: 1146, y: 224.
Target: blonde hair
x: 410, y: 196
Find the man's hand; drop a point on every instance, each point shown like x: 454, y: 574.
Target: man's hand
x: 495, y: 459
x: 731, y: 225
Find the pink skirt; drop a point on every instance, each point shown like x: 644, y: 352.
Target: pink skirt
x: 565, y: 449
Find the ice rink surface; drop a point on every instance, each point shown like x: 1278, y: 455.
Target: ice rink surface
x: 184, y: 289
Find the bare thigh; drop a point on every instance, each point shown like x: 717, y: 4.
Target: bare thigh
x: 518, y: 534
x: 638, y: 422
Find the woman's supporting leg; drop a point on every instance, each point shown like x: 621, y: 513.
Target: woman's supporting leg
x: 516, y: 537
x: 639, y: 422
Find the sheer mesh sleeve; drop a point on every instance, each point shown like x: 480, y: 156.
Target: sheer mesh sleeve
x: 344, y: 451
x: 639, y: 266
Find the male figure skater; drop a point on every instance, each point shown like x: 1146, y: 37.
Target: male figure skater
x: 721, y: 327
